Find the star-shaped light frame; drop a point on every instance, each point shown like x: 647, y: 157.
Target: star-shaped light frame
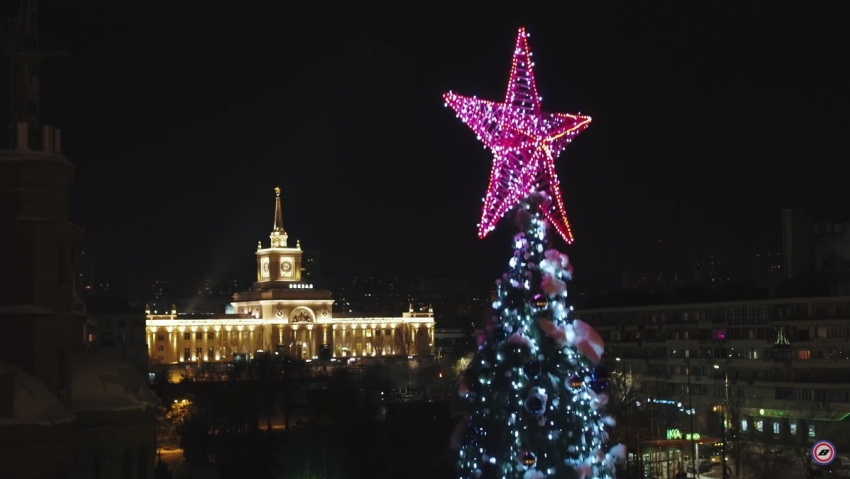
x: 525, y: 142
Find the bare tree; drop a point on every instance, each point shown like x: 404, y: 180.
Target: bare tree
x: 625, y: 399
x: 802, y: 441
x: 461, y: 364
x: 404, y: 340
x: 766, y: 463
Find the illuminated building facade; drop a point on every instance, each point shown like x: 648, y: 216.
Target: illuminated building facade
x: 785, y: 358
x: 284, y: 314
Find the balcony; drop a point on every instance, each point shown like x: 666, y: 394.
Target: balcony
x: 682, y: 343
x: 819, y: 363
x: 782, y: 361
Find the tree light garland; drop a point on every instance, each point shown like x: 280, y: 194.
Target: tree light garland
x: 531, y: 408
x: 525, y: 142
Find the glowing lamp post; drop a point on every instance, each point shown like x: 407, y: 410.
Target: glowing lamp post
x: 723, y: 402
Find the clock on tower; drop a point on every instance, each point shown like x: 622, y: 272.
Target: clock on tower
x: 264, y: 267
x: 286, y: 267
x: 279, y: 262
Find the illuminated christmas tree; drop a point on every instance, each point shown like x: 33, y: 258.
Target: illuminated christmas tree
x: 533, y: 393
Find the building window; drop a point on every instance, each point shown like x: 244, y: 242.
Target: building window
x: 776, y: 428
x: 199, y: 353
x: 187, y: 336
x: 743, y: 425
x: 793, y: 427
x: 199, y: 336
x: 210, y: 354
x: 210, y: 336
x: 160, y: 348
x: 804, y: 354
x: 160, y: 337
x: 234, y: 335
x: 812, y: 430
x: 833, y: 395
x: 759, y: 424
x: 187, y: 354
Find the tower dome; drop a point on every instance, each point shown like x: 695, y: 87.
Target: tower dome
x: 25, y: 400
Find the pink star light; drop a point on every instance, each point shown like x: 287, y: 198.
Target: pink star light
x: 525, y: 142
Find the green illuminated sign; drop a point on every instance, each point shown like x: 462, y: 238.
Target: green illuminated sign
x: 677, y: 434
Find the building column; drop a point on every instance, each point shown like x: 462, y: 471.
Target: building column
x: 334, y: 339
x: 310, y: 342
x: 367, y: 340
x: 293, y: 348
x: 217, y: 342
x: 192, y: 342
x: 341, y: 340
x: 392, y: 340
x: 172, y: 344
x: 228, y: 346
x: 204, y: 343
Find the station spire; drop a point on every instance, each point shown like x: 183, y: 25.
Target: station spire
x: 278, y: 235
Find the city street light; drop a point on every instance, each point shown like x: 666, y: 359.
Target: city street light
x: 723, y: 402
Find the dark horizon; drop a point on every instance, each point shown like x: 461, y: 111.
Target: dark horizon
x: 707, y: 122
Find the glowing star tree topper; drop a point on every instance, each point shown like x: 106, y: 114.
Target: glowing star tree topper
x: 525, y: 142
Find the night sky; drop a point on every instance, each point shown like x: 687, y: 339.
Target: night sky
x: 708, y: 119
